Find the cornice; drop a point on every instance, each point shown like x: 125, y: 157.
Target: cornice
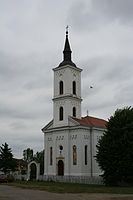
x: 65, y: 66
x: 70, y: 96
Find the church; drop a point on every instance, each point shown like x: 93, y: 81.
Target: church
x: 70, y: 139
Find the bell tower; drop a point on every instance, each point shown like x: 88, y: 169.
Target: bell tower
x: 67, y: 89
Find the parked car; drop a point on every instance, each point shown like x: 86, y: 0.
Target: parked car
x: 3, y: 178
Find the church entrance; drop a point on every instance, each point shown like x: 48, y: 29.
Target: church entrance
x: 60, y: 168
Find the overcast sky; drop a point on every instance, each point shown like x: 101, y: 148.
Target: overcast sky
x: 32, y: 34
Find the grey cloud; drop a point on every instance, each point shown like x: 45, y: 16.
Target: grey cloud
x: 125, y: 94
x: 115, y: 9
x: 32, y: 39
x: 109, y: 69
x: 26, y: 112
x: 116, y: 70
x: 28, y: 71
x: 7, y: 112
x: 18, y: 125
x: 94, y: 13
x: 7, y: 69
x: 111, y: 78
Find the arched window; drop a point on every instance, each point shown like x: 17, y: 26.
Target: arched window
x: 74, y: 87
x: 74, y: 155
x: 74, y: 112
x: 61, y: 87
x: 61, y: 113
x: 51, y: 155
x: 85, y: 154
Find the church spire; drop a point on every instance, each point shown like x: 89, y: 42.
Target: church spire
x: 67, y: 52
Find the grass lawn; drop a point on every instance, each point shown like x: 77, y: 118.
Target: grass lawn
x: 71, y: 187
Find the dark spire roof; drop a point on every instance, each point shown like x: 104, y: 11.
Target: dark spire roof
x: 67, y: 50
x: 67, y: 53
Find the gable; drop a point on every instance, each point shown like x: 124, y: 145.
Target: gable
x: 72, y: 122
x: 86, y: 121
x: 48, y: 126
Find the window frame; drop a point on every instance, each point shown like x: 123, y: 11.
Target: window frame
x: 61, y: 87
x: 86, y: 154
x: 74, y: 87
x: 51, y: 155
x: 74, y: 155
x: 74, y: 111
x: 61, y: 113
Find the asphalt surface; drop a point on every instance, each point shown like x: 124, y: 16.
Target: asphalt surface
x: 14, y: 193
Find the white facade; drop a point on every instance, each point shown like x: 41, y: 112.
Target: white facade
x: 68, y: 137
x: 67, y: 74
x: 70, y: 144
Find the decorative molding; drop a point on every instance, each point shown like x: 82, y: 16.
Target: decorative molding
x: 60, y: 103
x: 74, y: 72
x: 74, y: 75
x: 74, y: 103
x: 73, y: 137
x: 50, y: 139
x: 86, y: 137
x: 60, y: 72
x: 60, y: 137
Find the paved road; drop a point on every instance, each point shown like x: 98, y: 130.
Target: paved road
x: 13, y: 193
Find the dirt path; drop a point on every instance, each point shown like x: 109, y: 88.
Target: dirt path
x: 13, y: 193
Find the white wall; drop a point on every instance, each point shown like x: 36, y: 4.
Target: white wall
x: 67, y: 138
x: 97, y: 133
x: 67, y: 100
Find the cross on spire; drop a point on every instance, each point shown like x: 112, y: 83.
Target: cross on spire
x: 67, y: 27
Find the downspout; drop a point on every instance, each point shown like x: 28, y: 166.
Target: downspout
x: 91, y: 160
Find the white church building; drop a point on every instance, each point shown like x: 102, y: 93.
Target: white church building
x: 70, y: 139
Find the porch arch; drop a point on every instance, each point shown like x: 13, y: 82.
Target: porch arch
x: 37, y: 170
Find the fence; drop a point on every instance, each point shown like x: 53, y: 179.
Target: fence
x: 75, y: 179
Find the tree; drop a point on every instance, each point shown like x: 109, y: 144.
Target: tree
x: 39, y: 157
x: 115, y: 148
x: 28, y: 155
x: 7, y: 162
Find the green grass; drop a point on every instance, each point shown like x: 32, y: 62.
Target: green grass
x: 71, y: 187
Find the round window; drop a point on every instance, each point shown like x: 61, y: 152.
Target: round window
x: 61, y: 147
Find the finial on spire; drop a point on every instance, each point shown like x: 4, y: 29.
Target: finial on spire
x: 67, y: 27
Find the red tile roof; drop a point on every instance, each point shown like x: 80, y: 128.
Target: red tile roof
x: 91, y: 121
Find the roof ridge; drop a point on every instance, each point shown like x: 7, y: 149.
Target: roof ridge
x: 93, y: 117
